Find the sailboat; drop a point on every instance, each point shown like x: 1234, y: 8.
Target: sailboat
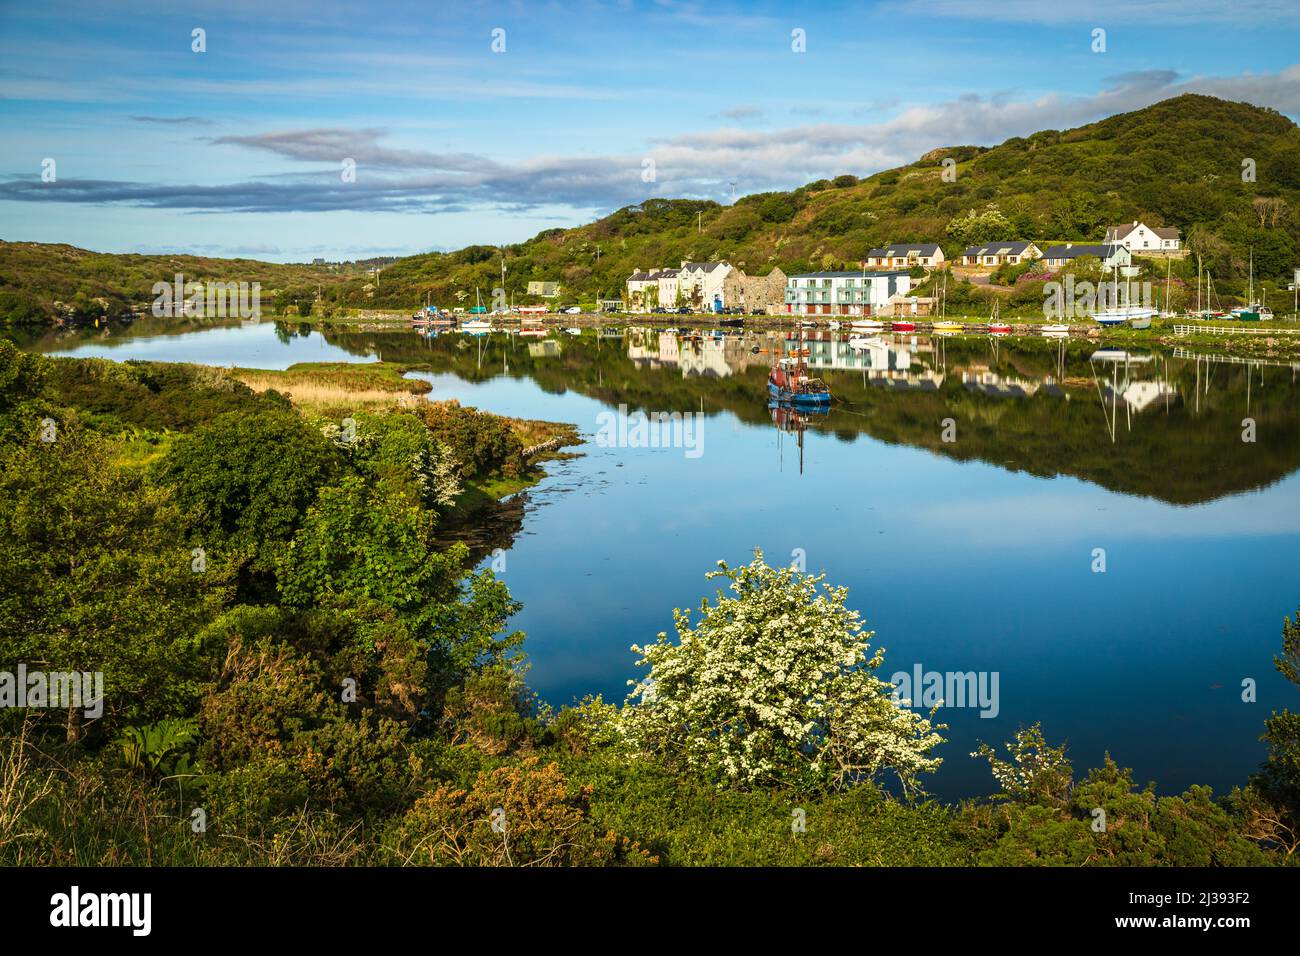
x: 1140, y: 316
x: 1252, y: 311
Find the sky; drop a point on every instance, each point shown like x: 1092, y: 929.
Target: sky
x: 308, y: 128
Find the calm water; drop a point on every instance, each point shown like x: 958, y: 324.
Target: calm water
x: 969, y: 555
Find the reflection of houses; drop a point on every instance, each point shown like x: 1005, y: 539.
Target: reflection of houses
x: 547, y: 348
x: 1000, y: 253
x: 998, y: 386
x: 705, y: 358
x: 905, y: 255
x: 1139, y: 396
x: 843, y: 293
x: 833, y: 353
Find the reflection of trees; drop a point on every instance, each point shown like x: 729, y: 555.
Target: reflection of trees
x: 1183, y: 451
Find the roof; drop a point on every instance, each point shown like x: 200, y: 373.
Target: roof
x: 998, y: 249
x: 1101, y: 251
x: 904, y: 248
x: 1122, y: 230
x: 637, y: 277
x: 665, y: 274
x: 849, y: 275
x: 703, y: 266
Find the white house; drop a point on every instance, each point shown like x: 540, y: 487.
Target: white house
x: 1138, y: 237
x: 843, y: 293
x: 1111, y: 255
x: 905, y: 255
x: 1000, y: 253
x: 701, y: 283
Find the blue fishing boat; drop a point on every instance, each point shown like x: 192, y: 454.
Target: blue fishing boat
x: 789, y: 383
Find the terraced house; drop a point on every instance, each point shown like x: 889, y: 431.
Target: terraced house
x: 1000, y: 253
x: 843, y: 293
x: 905, y: 255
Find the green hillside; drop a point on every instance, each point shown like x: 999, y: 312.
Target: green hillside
x: 1176, y: 163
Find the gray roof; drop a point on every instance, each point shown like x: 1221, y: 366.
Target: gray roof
x: 903, y: 248
x: 705, y: 266
x: 1101, y: 251
x: 849, y: 275
x: 998, y: 249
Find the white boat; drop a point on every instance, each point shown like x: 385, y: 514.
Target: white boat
x: 1133, y: 313
x: 861, y: 343
x: 476, y: 327
x: 867, y: 325
x: 1058, y: 328
x: 573, y: 330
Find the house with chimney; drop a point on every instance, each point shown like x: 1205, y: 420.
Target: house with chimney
x: 1139, y: 237
x: 1064, y: 254
x: 994, y: 254
x: 906, y: 255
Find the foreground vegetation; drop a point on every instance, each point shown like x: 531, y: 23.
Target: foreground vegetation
x: 299, y: 670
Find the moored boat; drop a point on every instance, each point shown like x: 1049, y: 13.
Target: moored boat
x: 902, y: 326
x: 999, y: 328
x: 946, y: 327
x: 789, y: 383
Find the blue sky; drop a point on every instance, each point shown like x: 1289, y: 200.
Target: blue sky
x: 239, y: 150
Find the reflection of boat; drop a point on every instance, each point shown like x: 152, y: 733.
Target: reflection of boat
x: 789, y: 383
x: 476, y: 327
x: 573, y: 330
x: 860, y: 343
x: 790, y: 419
x: 533, y: 331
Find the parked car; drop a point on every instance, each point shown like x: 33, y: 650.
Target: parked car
x: 684, y: 310
x: 659, y: 309
x: 573, y: 310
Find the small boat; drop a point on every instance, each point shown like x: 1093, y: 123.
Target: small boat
x: 808, y: 324
x: 1252, y: 313
x: 789, y: 383
x: 947, y: 327
x: 904, y: 326
x: 476, y: 327
x: 867, y: 325
x: 1059, y: 328
x: 999, y: 328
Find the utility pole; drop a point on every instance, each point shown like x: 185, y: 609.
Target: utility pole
x: 699, y: 222
x: 733, y: 192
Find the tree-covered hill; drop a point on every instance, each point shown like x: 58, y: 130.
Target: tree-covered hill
x: 1226, y: 174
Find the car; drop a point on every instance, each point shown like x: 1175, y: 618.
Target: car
x: 573, y: 310
x: 659, y: 310
x: 683, y: 310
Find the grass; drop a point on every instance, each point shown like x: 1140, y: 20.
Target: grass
x: 327, y: 387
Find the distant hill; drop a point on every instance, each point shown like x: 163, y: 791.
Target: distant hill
x: 1176, y: 163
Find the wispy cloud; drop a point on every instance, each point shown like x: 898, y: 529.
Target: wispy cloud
x: 174, y: 120
x: 692, y: 165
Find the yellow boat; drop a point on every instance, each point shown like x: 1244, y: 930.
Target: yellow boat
x: 948, y: 327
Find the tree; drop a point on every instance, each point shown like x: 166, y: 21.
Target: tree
x: 979, y: 226
x: 775, y: 686
x: 95, y: 576
x: 245, y: 479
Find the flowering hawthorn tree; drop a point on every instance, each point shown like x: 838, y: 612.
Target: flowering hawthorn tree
x: 774, y: 686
